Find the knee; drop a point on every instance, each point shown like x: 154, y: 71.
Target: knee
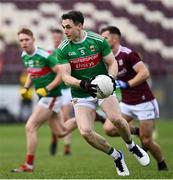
x: 29, y: 128
x: 146, y: 141
x: 110, y: 130
x: 66, y: 117
x: 86, y: 133
x: 60, y: 134
x: 118, y: 121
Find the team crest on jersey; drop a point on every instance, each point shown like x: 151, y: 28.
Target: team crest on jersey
x: 92, y: 48
x: 120, y: 62
x: 37, y: 63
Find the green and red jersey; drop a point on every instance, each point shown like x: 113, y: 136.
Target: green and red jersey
x: 39, y: 66
x: 85, y: 58
x: 63, y: 85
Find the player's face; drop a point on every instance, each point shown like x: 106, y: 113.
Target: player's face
x: 112, y: 39
x: 57, y: 38
x: 26, y: 43
x: 108, y: 37
x: 71, y: 30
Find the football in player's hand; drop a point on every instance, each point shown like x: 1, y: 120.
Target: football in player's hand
x: 105, y: 86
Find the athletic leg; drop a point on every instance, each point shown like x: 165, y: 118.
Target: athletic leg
x: 67, y: 139
x: 146, y: 131
x: 85, y: 118
x: 112, y: 110
x: 37, y: 118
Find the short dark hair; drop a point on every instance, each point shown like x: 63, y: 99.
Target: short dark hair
x: 112, y: 30
x: 58, y: 31
x: 76, y: 16
x: 26, y: 31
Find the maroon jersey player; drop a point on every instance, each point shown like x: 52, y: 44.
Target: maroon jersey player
x: 140, y: 92
x: 138, y: 101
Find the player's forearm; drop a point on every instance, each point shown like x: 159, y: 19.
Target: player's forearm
x: 139, y: 78
x: 56, y: 82
x: 111, y: 64
x: 71, y: 81
x: 113, y: 69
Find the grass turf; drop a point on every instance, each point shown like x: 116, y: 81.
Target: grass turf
x: 84, y: 163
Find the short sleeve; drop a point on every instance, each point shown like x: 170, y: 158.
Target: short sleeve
x: 51, y: 61
x: 133, y: 58
x: 105, y: 48
x: 61, y: 56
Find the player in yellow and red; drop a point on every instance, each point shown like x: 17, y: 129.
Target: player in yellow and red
x: 43, y: 73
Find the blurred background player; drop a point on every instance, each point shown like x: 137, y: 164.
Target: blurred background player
x: 43, y: 73
x: 138, y: 102
x: 26, y: 100
x: 67, y: 108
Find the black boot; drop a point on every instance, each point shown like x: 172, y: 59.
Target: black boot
x: 162, y: 166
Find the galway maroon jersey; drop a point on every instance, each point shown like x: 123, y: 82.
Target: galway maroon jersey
x: 126, y: 59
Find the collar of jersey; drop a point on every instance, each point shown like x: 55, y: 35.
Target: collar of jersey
x: 81, y: 41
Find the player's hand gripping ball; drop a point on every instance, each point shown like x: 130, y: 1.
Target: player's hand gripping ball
x: 105, y: 86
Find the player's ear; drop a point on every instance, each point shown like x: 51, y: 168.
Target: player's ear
x: 80, y: 26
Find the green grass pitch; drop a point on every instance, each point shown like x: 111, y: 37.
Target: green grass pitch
x: 84, y: 163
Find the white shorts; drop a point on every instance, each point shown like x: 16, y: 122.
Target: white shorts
x: 143, y: 111
x: 52, y: 103
x: 66, y: 96
x: 88, y: 102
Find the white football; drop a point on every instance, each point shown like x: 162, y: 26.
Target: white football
x: 105, y: 86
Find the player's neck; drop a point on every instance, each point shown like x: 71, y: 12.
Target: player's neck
x: 31, y: 51
x: 81, y: 36
x: 115, y: 49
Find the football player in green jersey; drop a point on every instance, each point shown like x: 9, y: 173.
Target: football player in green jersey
x: 67, y: 109
x: 43, y: 73
x: 84, y: 55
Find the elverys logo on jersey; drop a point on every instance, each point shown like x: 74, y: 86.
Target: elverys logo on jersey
x: 85, y: 62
